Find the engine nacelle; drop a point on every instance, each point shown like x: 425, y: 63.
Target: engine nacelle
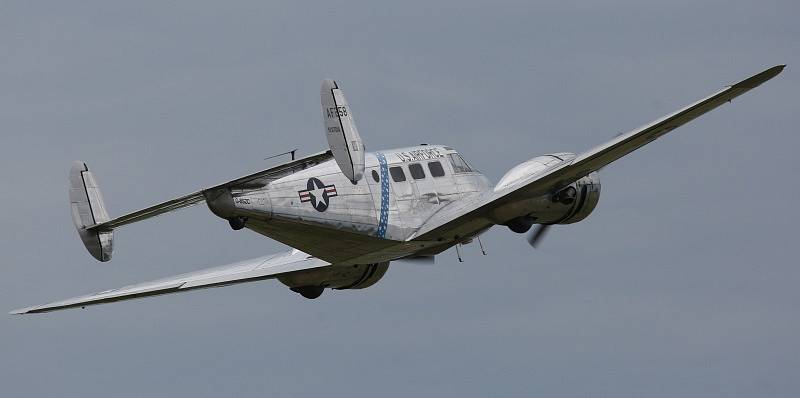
x: 571, y: 204
x: 531, y: 167
x: 358, y: 276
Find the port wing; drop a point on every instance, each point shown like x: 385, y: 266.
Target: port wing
x: 245, y: 271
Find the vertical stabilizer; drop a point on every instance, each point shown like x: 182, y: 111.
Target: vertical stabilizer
x: 340, y: 128
x: 88, y: 209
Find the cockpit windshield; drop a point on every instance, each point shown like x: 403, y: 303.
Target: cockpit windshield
x: 459, y: 164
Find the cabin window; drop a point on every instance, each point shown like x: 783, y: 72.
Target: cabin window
x: 459, y: 164
x: 397, y: 174
x: 375, y: 176
x: 436, y: 169
x: 416, y: 171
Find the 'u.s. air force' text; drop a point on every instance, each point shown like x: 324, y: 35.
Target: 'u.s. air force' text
x: 419, y: 154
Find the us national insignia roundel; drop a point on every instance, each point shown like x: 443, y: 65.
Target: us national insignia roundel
x: 317, y: 193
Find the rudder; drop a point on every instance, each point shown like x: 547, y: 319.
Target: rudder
x: 88, y: 209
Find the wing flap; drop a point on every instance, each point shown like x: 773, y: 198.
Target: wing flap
x: 245, y: 271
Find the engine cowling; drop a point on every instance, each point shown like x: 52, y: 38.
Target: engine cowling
x: 358, y: 276
x: 531, y: 167
x: 571, y: 204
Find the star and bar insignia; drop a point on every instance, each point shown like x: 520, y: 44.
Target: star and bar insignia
x: 317, y: 193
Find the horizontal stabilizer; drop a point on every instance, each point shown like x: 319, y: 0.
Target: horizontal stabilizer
x: 95, y: 226
x: 255, y: 180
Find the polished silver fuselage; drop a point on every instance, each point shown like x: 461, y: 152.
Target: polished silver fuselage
x: 379, y: 218
x: 381, y: 205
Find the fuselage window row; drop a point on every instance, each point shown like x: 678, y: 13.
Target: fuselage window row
x: 416, y: 171
x: 397, y: 174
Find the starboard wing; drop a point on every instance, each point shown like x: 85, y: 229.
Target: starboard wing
x: 475, y: 214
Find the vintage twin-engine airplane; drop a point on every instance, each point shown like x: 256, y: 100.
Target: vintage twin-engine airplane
x: 349, y: 213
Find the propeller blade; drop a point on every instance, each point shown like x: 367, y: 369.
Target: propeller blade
x: 536, y: 235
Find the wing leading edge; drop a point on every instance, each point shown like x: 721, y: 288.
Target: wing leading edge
x: 478, y: 212
x: 600, y: 156
x: 245, y: 271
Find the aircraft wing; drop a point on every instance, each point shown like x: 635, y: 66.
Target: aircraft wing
x: 470, y: 216
x: 245, y: 271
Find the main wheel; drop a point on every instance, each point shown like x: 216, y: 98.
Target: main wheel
x: 309, y: 292
x: 520, y: 225
x: 237, y: 223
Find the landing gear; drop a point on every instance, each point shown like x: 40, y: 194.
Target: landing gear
x: 237, y: 223
x: 309, y: 292
x: 520, y: 225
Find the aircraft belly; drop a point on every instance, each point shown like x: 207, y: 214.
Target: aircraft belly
x: 327, y: 243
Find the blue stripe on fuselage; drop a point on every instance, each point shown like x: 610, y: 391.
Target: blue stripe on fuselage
x: 383, y: 221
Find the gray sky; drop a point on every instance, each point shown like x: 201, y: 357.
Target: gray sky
x: 682, y: 283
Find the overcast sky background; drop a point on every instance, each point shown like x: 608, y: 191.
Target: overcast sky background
x: 684, y: 281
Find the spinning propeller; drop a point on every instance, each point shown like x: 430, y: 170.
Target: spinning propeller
x: 536, y: 234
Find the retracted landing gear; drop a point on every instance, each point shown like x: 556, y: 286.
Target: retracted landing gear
x: 309, y: 292
x: 520, y: 225
x: 237, y: 223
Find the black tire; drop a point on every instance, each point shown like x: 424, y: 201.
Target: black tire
x: 520, y: 225
x: 309, y: 292
x: 237, y: 223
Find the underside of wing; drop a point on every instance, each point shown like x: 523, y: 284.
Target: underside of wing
x: 334, y: 245
x: 245, y: 271
x: 461, y: 219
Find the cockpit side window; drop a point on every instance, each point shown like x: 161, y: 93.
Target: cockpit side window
x: 459, y: 164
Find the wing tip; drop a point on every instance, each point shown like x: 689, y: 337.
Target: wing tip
x: 756, y: 80
x: 777, y: 69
